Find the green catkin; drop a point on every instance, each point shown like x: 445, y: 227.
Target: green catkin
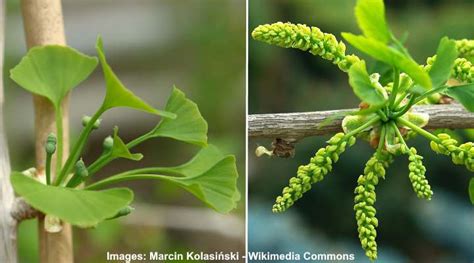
x: 365, y: 199
x: 417, y: 175
x: 319, y: 166
x: 306, y: 38
x: 463, y: 70
x: 465, y: 48
x: 461, y: 155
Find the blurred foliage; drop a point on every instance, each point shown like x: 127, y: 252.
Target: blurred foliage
x: 152, y: 48
x: 286, y: 80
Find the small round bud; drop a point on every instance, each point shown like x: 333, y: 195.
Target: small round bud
x: 108, y: 143
x: 81, y: 169
x: 50, y: 145
x: 86, y: 119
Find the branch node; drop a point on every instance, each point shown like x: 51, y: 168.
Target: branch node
x: 23, y: 211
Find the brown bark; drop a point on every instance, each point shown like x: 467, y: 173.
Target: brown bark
x: 298, y: 125
x: 43, y: 23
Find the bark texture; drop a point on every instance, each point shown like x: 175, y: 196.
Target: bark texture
x: 298, y: 125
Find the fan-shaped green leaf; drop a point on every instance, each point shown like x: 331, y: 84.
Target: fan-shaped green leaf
x: 370, y: 15
x: 360, y: 82
x: 210, y: 176
x: 445, y: 56
x: 51, y: 71
x: 189, y: 126
x: 117, y: 95
x: 384, y: 53
x: 464, y: 94
x: 82, y: 208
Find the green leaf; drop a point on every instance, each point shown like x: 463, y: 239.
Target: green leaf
x: 210, y: 176
x: 78, y: 207
x: 471, y: 190
x: 445, y: 56
x: 382, y: 52
x: 52, y: 71
x: 120, y: 149
x: 360, y: 82
x: 464, y: 94
x: 189, y: 126
x: 370, y: 15
x: 117, y: 95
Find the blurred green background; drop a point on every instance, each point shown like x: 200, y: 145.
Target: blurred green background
x: 198, y: 45
x: 287, y: 80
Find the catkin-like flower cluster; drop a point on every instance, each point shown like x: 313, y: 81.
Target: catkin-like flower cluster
x: 461, y: 155
x: 365, y: 200
x: 417, y: 175
x: 319, y: 166
x: 463, y: 70
x: 465, y: 48
x: 306, y: 38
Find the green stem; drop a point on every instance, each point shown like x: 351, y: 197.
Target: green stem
x: 396, y: 83
x: 125, y: 177
x: 418, y: 130
x: 102, y: 161
x: 140, y: 139
x: 405, y: 108
x: 399, y: 135
x: 382, y: 137
x: 59, y: 132
x: 400, y: 46
x: 48, y: 168
x: 363, y: 127
x: 429, y: 93
x: 382, y: 115
x: 399, y: 100
x: 78, y: 146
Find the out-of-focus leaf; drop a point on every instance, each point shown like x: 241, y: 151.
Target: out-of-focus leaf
x: 117, y: 95
x: 370, y: 15
x: 464, y: 94
x: 189, y: 126
x: 382, y: 52
x: 82, y: 208
x: 445, y: 56
x: 364, y: 89
x: 51, y: 71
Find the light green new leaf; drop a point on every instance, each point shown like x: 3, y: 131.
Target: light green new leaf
x: 117, y: 95
x: 82, y: 208
x: 51, y: 71
x: 364, y: 89
x: 189, y: 126
x: 471, y: 190
x: 445, y: 56
x: 120, y: 149
x: 370, y: 16
x: 382, y: 52
x: 464, y: 94
x: 210, y: 176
